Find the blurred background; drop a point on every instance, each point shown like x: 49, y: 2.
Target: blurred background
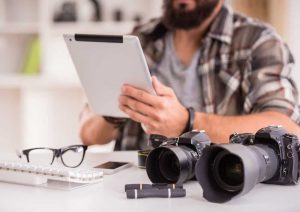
x: 40, y: 95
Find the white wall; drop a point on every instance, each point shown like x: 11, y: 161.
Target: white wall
x: 294, y: 35
x: 9, y: 127
x: 50, y: 116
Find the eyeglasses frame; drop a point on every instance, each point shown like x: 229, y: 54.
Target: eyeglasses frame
x: 57, y: 153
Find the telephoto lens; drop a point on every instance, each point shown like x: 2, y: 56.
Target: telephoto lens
x: 231, y: 170
x: 174, y: 161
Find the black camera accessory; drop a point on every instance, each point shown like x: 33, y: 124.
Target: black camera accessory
x: 231, y: 170
x: 98, y: 10
x: 142, y: 156
x: 67, y: 12
x: 175, y: 159
x: 118, y: 15
x: 190, y: 123
x: 150, y: 186
x: 244, y: 138
x: 157, y: 140
x: 154, y: 192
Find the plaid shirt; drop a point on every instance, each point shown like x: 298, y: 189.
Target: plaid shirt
x: 244, y: 68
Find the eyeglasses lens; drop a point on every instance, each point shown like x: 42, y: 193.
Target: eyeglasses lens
x: 73, y: 156
x: 41, y: 156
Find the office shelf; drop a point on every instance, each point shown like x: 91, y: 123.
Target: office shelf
x: 105, y: 27
x: 19, y: 28
x: 18, y: 81
x: 42, y: 109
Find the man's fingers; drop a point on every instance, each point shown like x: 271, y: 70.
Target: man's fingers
x: 139, y: 95
x: 136, y: 116
x: 160, y: 88
x: 144, y: 96
x: 140, y: 107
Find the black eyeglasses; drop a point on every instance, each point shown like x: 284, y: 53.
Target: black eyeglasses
x: 71, y: 156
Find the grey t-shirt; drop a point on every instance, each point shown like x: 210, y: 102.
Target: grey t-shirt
x: 183, y: 79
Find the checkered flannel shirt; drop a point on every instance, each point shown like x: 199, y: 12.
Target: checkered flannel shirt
x: 244, y: 68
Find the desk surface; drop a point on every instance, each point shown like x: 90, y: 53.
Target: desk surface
x: 109, y: 195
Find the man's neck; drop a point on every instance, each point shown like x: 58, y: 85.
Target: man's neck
x: 187, y: 42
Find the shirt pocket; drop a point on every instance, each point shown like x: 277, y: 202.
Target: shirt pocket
x: 229, y: 99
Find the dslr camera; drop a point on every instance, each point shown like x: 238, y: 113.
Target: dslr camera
x: 173, y: 160
x: 231, y: 170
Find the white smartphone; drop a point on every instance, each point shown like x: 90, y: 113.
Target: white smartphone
x: 111, y: 167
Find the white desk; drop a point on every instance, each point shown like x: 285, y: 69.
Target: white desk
x: 109, y: 195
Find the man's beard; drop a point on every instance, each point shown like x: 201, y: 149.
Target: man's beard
x: 180, y: 18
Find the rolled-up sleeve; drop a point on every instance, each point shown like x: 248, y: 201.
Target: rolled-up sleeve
x: 271, y: 87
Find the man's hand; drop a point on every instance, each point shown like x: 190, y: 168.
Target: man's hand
x: 162, y: 114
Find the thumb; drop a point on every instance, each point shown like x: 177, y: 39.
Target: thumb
x: 160, y: 88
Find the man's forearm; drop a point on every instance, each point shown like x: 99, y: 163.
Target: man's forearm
x: 96, y: 130
x: 220, y: 127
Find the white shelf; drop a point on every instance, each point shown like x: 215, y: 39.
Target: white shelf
x: 107, y: 27
x: 14, y: 81
x: 19, y: 28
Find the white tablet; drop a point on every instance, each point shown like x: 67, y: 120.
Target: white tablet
x: 104, y: 63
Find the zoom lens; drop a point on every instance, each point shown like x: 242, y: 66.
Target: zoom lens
x: 228, y: 171
x: 170, y: 164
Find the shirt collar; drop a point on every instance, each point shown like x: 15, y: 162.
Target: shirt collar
x: 151, y: 33
x: 222, y: 27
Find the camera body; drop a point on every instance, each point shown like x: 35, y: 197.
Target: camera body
x: 174, y: 159
x: 285, y: 145
x: 194, y: 140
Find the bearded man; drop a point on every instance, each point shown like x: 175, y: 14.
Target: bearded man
x: 212, y: 69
